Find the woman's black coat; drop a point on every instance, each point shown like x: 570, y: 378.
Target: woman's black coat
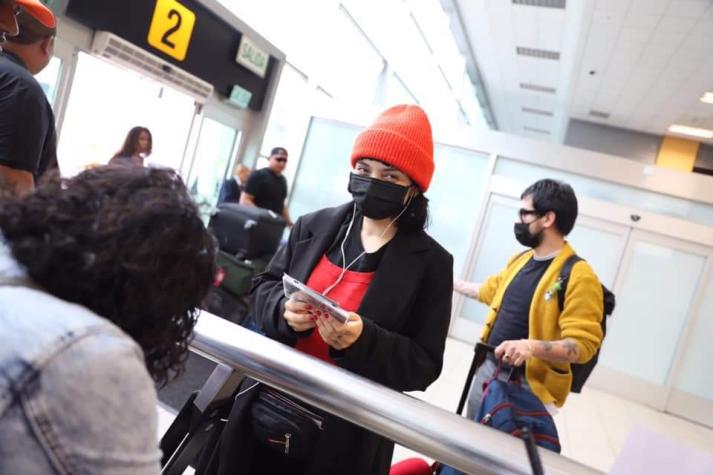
x: 406, y: 312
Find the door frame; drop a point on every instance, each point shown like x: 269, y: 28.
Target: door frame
x: 68, y: 54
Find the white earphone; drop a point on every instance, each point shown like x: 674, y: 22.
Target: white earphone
x: 346, y: 236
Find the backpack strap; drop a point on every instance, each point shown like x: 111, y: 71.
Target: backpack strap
x: 564, y: 277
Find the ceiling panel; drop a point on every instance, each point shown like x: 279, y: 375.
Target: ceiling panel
x: 644, y: 62
x: 648, y: 7
x: 673, y: 24
x: 687, y: 9
x: 644, y: 21
x: 614, y: 5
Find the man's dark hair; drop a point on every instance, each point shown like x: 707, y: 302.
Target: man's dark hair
x: 31, y: 30
x: 277, y: 150
x: 125, y: 242
x: 556, y: 196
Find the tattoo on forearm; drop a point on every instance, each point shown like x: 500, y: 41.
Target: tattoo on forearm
x: 571, y: 347
x: 546, y: 346
x: 559, y: 351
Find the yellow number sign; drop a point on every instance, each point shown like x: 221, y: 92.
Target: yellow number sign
x: 171, y: 28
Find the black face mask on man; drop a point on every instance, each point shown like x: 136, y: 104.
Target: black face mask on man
x: 525, y: 237
x: 377, y: 199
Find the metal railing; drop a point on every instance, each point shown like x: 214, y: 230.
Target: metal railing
x: 408, y: 421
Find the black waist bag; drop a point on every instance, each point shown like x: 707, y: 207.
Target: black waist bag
x: 284, y: 425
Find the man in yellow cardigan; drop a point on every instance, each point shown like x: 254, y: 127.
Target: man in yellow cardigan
x: 525, y: 323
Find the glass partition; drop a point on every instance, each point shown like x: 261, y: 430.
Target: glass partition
x: 497, y: 245
x: 323, y: 173
x: 608, y: 191
x: 289, y: 119
x: 456, y: 196
x: 49, y: 79
x: 215, y: 148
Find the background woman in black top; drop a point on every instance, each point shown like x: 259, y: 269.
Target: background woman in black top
x: 137, y: 146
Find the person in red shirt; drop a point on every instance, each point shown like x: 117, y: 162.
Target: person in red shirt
x: 373, y: 257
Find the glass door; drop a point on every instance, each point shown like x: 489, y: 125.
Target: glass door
x: 106, y: 101
x: 691, y: 393
x: 657, y: 289
x: 213, y: 157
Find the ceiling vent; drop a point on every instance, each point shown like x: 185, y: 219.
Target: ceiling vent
x: 118, y: 50
x: 599, y: 114
x: 536, y: 130
x: 538, y: 88
x: 532, y: 110
x: 542, y: 3
x: 538, y: 53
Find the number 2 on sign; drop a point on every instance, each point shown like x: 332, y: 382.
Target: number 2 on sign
x: 171, y: 28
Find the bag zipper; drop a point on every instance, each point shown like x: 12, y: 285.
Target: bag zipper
x: 286, y: 443
x: 532, y: 413
x: 487, y: 417
x: 315, y: 417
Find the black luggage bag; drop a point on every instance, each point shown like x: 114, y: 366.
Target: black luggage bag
x: 246, y: 231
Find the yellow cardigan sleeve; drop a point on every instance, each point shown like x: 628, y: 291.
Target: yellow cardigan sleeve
x: 583, y: 309
x: 490, y: 286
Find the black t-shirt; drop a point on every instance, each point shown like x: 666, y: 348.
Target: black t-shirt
x: 353, y: 247
x: 268, y: 188
x: 512, y: 322
x: 28, y: 139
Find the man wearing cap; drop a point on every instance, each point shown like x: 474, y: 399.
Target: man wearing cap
x: 28, y: 141
x: 267, y: 187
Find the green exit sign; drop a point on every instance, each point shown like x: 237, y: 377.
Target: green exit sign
x: 252, y: 57
x: 240, y: 97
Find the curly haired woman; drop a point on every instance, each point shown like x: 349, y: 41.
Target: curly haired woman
x: 100, y: 278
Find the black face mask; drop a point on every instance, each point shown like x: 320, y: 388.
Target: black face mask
x: 525, y: 237
x: 375, y: 198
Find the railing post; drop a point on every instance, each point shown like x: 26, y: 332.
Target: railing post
x: 201, y: 415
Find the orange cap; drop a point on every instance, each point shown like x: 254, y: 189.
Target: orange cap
x: 400, y: 136
x: 39, y: 12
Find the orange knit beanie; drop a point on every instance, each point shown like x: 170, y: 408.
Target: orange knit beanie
x: 400, y: 136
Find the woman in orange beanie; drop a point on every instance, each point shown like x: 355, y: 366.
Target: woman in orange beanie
x: 373, y: 257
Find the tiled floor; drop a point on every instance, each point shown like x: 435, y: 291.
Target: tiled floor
x: 593, y: 425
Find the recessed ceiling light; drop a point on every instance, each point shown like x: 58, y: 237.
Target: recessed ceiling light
x: 707, y: 97
x: 692, y: 131
x: 538, y: 88
x: 533, y: 110
x: 542, y: 3
x: 536, y: 130
x: 537, y: 53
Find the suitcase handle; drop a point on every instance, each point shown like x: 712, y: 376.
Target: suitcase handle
x: 480, y: 352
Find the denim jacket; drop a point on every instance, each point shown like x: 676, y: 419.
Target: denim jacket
x: 75, y: 395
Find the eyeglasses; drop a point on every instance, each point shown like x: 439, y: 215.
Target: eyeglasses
x: 528, y: 212
x: 281, y: 160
